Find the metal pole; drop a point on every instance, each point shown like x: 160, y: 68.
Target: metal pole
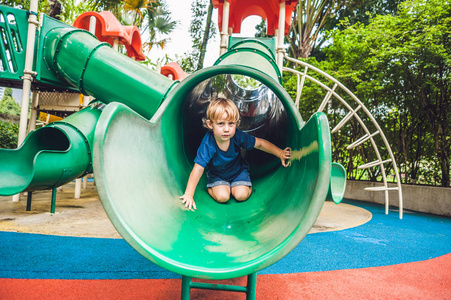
x: 34, y: 112
x: 280, y: 36
x: 77, y: 188
x: 85, y: 182
x: 158, y: 67
x: 116, y: 44
x: 186, y: 287
x: 29, y: 196
x: 28, y: 72
x: 86, y: 99
x: 225, y: 26
x: 251, y: 286
x: 92, y: 25
x: 52, y: 206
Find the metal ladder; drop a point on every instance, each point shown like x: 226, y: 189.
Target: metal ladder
x: 352, y: 112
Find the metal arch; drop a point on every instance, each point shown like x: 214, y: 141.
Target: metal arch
x: 301, y: 76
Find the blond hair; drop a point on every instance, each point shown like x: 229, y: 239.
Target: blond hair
x: 218, y: 107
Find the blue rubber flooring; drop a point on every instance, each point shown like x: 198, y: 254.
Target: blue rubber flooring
x: 385, y: 240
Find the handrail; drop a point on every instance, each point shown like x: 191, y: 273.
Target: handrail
x: 331, y: 92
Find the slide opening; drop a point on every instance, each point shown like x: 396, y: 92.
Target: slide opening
x: 261, y: 111
x: 52, y: 139
x: 18, y: 164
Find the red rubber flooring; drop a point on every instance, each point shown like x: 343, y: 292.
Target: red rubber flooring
x: 430, y: 279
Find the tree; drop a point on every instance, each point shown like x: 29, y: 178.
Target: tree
x: 153, y: 19
x: 55, y: 9
x: 69, y: 10
x: 8, y: 105
x: 207, y: 31
x: 8, y: 135
x: 201, y: 30
x: 159, y: 24
x: 138, y: 7
x: 362, y: 11
x: 308, y: 22
x: 400, y: 66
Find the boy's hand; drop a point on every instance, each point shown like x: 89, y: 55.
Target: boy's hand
x: 284, y: 156
x: 188, y: 201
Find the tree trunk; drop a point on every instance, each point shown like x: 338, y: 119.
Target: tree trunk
x: 55, y: 9
x: 443, y: 143
x: 203, y: 47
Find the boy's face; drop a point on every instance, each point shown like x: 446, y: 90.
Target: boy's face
x: 223, y: 129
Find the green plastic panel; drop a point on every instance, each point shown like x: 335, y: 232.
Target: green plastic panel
x: 13, y: 40
x: 266, y: 43
x: 337, y: 183
x: 44, y: 73
x: 254, y: 54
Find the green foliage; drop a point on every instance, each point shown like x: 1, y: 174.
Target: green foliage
x: 400, y: 66
x: 362, y: 11
x: 201, y: 29
x: 261, y: 29
x: 71, y: 9
x: 159, y: 24
x: 8, y: 105
x: 8, y: 135
x: 309, y: 20
x: 246, y: 82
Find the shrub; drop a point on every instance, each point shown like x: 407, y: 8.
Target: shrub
x: 8, y: 135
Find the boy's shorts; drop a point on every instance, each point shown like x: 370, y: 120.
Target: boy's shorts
x: 242, y: 179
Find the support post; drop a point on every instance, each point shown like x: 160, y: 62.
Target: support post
x: 29, y: 195
x: 251, y: 286
x: 85, y: 182
x: 77, y: 188
x: 280, y: 36
x: 186, y: 287
x: 116, y: 44
x: 34, y: 112
x: 52, y: 207
x: 92, y: 25
x: 224, y: 44
x: 28, y: 72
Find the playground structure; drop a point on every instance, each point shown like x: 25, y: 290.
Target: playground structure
x: 140, y: 136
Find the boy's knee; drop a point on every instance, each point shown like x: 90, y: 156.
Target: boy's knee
x: 242, y: 194
x: 221, y: 196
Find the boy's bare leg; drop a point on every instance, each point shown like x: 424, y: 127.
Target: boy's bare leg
x: 241, y: 192
x: 221, y: 193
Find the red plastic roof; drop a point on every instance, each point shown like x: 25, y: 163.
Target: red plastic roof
x: 173, y: 69
x: 109, y: 28
x: 268, y: 10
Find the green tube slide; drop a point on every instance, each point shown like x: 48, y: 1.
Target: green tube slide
x: 94, y: 68
x: 142, y: 167
x: 144, y: 142
x: 61, y: 152
x: 50, y: 156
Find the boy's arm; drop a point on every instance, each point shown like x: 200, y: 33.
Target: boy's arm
x: 269, y: 147
x: 193, y: 180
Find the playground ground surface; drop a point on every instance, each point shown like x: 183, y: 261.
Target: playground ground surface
x: 354, y: 251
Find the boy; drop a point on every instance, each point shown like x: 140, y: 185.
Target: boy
x: 220, y: 153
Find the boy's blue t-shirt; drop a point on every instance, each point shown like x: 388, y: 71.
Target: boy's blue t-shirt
x: 224, y: 164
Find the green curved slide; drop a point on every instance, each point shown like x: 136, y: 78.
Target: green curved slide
x: 50, y: 156
x: 144, y: 142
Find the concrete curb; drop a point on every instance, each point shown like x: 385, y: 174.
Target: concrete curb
x: 426, y: 199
